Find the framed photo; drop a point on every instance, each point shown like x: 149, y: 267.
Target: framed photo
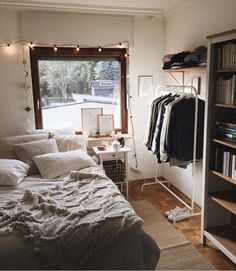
x: 89, y: 118
x: 145, y: 86
x: 106, y: 124
x: 196, y: 82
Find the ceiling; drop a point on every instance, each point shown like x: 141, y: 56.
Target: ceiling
x: 156, y: 8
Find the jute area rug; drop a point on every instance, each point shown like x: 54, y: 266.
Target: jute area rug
x: 176, y: 252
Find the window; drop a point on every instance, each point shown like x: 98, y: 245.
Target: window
x: 66, y: 80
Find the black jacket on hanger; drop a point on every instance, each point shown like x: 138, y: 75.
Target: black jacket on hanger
x: 180, y: 138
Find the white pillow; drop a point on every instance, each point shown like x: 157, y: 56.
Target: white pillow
x: 7, y: 144
x: 52, y: 165
x: 12, y: 171
x: 27, y: 151
x: 71, y: 142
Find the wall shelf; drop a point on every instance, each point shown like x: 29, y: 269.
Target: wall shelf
x: 171, y: 72
x: 107, y: 138
x: 200, y: 68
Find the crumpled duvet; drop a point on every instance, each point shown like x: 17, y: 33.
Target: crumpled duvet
x: 70, y: 222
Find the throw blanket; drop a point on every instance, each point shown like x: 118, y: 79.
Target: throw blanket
x: 69, y: 223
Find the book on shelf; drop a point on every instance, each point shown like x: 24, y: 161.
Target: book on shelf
x: 226, y: 131
x: 226, y: 56
x: 227, y: 124
x: 226, y: 89
x: 227, y: 137
x: 225, y: 162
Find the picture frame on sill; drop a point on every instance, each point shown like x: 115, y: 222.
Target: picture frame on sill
x: 145, y: 86
x: 106, y: 124
x: 89, y: 117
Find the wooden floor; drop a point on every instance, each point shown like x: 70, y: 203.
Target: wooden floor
x: 163, y: 201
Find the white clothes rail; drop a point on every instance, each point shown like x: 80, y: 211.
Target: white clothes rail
x: 176, y: 89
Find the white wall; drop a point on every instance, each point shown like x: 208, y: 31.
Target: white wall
x: 147, y: 47
x: 185, y: 31
x: 12, y: 96
x: 145, y: 59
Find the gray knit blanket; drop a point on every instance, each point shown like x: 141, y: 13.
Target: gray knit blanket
x: 69, y: 223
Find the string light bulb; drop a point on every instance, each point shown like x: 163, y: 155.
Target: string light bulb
x: 8, y: 45
x: 126, y: 55
x: 99, y: 49
x: 55, y: 48
x: 120, y: 44
x: 31, y: 45
x: 77, y: 48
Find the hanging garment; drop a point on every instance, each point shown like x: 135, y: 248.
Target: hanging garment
x: 164, y: 131
x: 149, y: 121
x: 153, y: 121
x: 171, y: 129
x: 180, y: 138
x: 156, y: 138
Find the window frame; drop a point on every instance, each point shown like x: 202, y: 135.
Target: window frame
x: 43, y: 53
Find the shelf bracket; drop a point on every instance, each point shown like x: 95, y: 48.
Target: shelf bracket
x: 176, y: 80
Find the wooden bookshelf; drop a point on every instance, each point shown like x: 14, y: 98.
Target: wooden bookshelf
x: 224, y: 237
x: 227, y: 199
x: 225, y: 143
x: 219, y: 208
x: 226, y: 106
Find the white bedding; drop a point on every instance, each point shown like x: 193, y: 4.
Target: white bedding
x: 34, y: 182
x: 98, y: 231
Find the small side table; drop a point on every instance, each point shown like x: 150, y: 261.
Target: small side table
x: 110, y: 155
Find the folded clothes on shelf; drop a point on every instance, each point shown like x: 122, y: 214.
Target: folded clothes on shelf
x: 186, y: 59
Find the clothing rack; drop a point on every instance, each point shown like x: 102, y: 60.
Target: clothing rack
x: 177, y: 89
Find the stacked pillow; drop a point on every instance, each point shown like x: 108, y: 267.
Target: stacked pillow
x: 37, y: 153
x: 7, y: 150
x: 27, y: 151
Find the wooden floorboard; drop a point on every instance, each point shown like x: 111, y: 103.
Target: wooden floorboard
x: 163, y: 201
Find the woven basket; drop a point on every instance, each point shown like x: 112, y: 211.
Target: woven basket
x: 115, y: 170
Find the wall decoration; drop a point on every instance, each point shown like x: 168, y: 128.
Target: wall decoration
x: 25, y: 86
x: 145, y: 86
x: 89, y: 118
x: 106, y: 124
x: 196, y: 82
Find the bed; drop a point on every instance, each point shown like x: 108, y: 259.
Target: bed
x: 78, y: 220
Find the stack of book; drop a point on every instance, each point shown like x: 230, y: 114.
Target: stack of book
x: 225, y: 162
x: 226, y: 90
x: 226, y: 131
x: 226, y: 56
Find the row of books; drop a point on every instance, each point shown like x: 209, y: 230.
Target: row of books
x: 226, y: 56
x: 226, y: 131
x: 225, y: 162
x: 226, y: 90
